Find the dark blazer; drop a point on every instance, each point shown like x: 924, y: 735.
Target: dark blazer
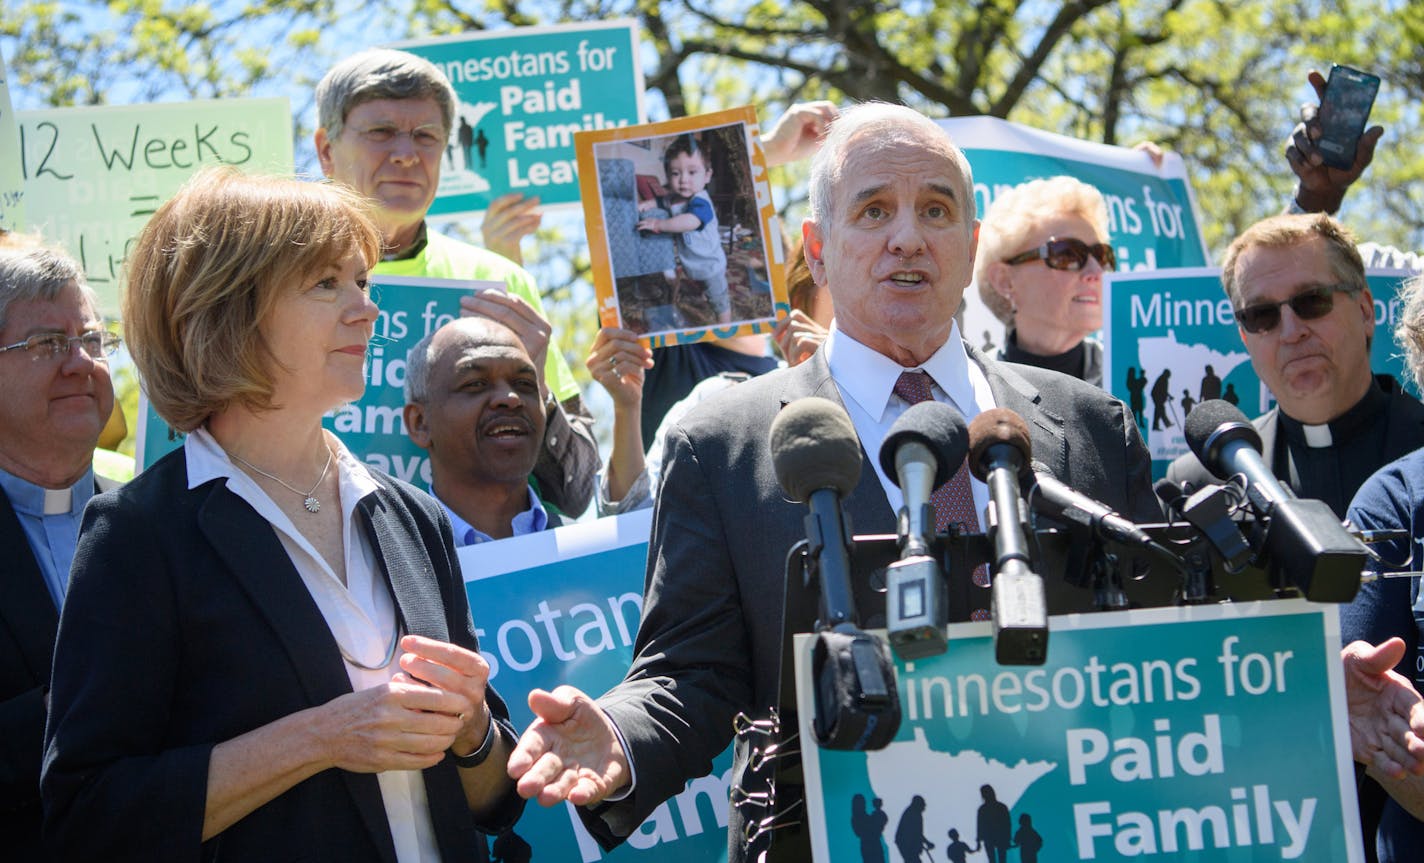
x: 1403, y: 435
x: 28, y: 620
x: 710, y: 642
x: 187, y: 625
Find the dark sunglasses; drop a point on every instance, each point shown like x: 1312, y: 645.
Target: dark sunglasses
x: 1308, y: 305
x: 1068, y: 254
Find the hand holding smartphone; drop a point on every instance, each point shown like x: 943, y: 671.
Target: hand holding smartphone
x: 1344, y: 111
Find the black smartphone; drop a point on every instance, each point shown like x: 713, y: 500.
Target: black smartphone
x: 1349, y: 95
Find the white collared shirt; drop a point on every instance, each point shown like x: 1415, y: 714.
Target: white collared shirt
x: 360, y: 613
x: 866, y: 380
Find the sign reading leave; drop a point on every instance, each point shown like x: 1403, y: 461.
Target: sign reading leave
x: 93, y: 176
x: 523, y: 93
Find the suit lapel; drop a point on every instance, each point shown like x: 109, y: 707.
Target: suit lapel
x: 1012, y: 391
x: 256, y: 560
x: 867, y: 507
x: 25, y: 604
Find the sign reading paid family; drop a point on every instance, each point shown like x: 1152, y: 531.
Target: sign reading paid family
x: 522, y: 94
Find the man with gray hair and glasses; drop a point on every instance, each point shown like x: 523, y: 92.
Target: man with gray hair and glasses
x: 384, y: 121
x: 55, y: 396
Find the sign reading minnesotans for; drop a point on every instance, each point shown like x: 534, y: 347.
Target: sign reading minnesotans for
x: 522, y: 94
x: 93, y: 176
x: 1215, y: 731
x: 1152, y: 217
x: 1170, y: 341
x: 563, y: 606
x: 373, y: 428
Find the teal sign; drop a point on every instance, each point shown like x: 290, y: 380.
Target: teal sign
x: 1152, y: 221
x: 562, y: 607
x: 1170, y: 341
x: 373, y: 427
x: 1170, y: 734
x: 523, y: 93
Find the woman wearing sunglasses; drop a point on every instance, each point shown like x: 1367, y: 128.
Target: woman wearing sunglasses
x: 1043, y: 248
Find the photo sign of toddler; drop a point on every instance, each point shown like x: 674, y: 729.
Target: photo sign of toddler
x: 681, y: 228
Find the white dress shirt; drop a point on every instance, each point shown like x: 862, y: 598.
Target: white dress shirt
x: 360, y: 613
x: 866, y: 380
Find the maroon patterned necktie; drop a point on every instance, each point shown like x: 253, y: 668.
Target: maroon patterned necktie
x: 953, y: 501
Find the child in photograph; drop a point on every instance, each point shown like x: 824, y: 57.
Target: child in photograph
x: 693, y: 220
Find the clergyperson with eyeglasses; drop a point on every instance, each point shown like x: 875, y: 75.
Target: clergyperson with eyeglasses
x: 385, y: 120
x: 1305, y: 313
x: 55, y: 395
x: 266, y: 651
x: 1043, y: 249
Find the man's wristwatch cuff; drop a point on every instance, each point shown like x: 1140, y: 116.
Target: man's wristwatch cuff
x: 478, y: 757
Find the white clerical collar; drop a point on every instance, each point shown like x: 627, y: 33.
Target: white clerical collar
x: 1317, y: 437
x: 57, y: 501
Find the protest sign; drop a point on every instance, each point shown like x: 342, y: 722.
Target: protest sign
x: 523, y: 93
x: 1171, y: 341
x: 682, y: 232
x: 12, y: 189
x: 563, y: 606
x: 372, y: 427
x: 1147, y: 734
x: 93, y: 176
x: 1152, y: 218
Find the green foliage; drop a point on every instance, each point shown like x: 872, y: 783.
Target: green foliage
x: 1218, y: 81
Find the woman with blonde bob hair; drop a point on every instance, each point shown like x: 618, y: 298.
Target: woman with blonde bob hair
x: 266, y: 650
x: 1043, y: 249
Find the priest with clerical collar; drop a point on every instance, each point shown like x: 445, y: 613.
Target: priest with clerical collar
x: 1307, y: 318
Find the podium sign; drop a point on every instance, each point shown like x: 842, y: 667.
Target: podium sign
x: 1215, y: 730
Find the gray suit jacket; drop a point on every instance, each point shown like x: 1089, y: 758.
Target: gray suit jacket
x: 710, y: 642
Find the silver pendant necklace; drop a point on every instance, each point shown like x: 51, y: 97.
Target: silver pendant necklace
x: 309, y: 499
x: 390, y: 652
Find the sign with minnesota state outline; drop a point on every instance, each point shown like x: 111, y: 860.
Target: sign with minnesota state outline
x: 1170, y: 341
x: 522, y: 93
x: 1165, y: 734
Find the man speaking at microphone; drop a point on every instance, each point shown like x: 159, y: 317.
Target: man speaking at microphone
x: 892, y: 236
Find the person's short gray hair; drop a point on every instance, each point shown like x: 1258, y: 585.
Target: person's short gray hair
x: 1409, y: 331
x: 891, y: 124
x: 417, y: 369
x: 38, y: 273
x: 380, y: 73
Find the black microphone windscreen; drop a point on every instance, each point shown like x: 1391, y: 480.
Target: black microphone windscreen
x: 1213, y: 423
x: 813, y: 446
x: 998, y: 426
x: 1168, y: 492
x: 937, y: 426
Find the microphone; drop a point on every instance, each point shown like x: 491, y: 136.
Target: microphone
x: 1048, y: 495
x: 921, y: 452
x: 1304, y: 542
x: 816, y: 457
x: 999, y: 451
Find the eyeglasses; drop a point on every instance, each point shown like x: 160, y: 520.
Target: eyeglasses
x: 98, y: 345
x: 1308, y: 305
x: 429, y: 138
x: 1068, y: 254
